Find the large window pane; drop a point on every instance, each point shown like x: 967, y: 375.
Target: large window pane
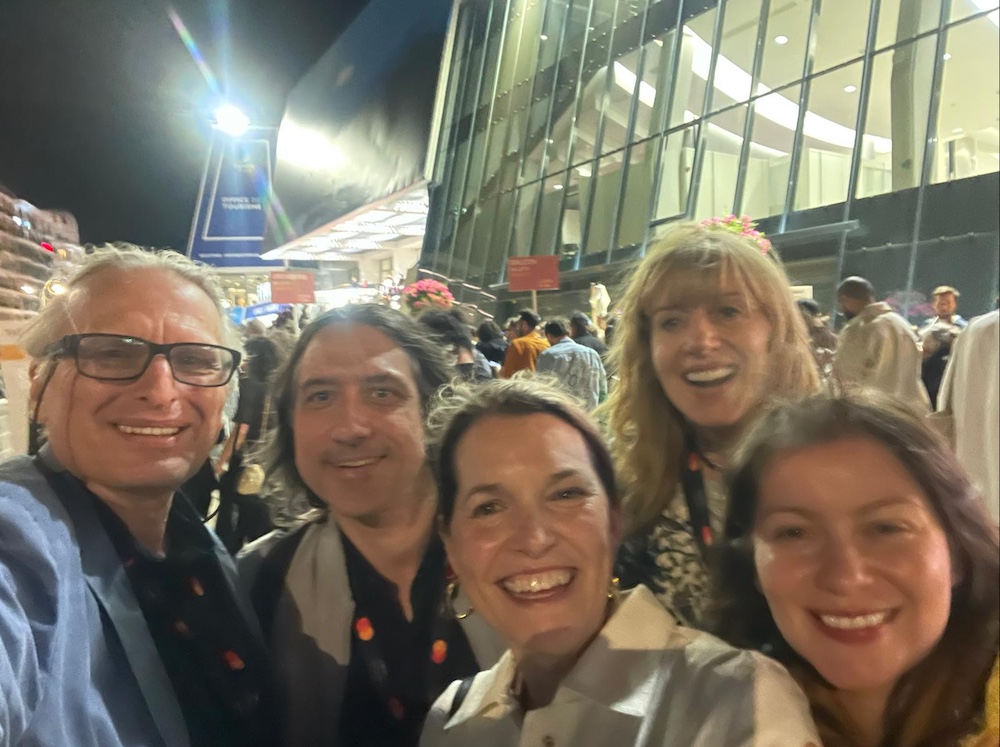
x: 656, y: 75
x: 785, y: 47
x: 548, y: 229
x: 634, y: 217
x: 892, y: 150
x: 736, y: 53
x: 606, y: 183
x: 722, y: 141
x: 626, y: 91
x: 674, y: 179
x: 841, y: 33
x: 771, y: 141
x: 502, y: 230
x: 828, y: 138
x: 900, y: 20
x: 968, y: 141
x: 524, y: 223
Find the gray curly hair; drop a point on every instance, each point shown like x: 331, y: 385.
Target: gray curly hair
x: 54, y: 320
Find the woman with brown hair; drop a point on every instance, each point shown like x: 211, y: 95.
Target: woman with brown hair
x: 858, y: 555
x: 709, y: 331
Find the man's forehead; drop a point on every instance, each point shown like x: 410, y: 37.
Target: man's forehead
x: 354, y: 352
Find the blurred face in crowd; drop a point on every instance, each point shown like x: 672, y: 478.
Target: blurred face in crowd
x: 851, y: 307
x: 532, y: 538
x: 853, y: 562
x: 357, y: 421
x: 710, y: 353
x: 143, y: 437
x: 945, y: 305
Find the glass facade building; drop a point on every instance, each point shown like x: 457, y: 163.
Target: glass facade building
x: 863, y: 135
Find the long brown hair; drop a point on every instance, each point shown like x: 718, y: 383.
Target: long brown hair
x: 647, y: 431
x: 938, y: 701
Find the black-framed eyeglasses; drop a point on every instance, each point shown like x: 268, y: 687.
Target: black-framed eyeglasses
x: 122, y: 358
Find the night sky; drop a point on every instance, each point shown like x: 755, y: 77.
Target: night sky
x: 104, y: 113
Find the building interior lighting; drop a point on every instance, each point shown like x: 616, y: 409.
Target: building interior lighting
x: 781, y: 39
x: 850, y: 89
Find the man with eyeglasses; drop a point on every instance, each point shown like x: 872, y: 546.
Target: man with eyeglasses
x: 119, y: 619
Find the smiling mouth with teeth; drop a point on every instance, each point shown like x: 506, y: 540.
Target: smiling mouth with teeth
x: 854, y: 622
x: 134, y: 431
x: 710, y: 376
x: 536, y: 583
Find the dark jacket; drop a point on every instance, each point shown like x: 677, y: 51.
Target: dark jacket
x: 589, y: 341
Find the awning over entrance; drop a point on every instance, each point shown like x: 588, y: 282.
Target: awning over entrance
x: 353, y: 143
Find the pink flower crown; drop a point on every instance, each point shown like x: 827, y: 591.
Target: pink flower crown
x: 741, y: 226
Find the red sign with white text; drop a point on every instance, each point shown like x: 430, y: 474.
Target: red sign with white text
x: 533, y: 273
x: 293, y: 287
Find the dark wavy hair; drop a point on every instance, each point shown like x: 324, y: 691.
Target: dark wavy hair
x: 457, y: 408
x: 941, y: 698
x: 431, y: 370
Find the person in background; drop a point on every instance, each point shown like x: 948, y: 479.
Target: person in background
x: 609, y: 323
x: 709, y: 333
x: 857, y: 553
x: 530, y: 515
x: 450, y: 329
x: 583, y: 334
x: 244, y: 516
x: 510, y: 329
x: 579, y: 369
x: 937, y: 337
x: 970, y: 397
x: 877, y: 349
x: 119, y: 620
x: 350, y: 596
x: 822, y: 338
x: 524, y: 349
x: 253, y: 328
x: 492, y: 342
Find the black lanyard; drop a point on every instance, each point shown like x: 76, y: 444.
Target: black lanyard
x: 696, y: 497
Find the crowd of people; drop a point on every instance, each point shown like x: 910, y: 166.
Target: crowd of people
x: 751, y: 534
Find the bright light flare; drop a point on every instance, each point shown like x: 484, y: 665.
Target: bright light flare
x: 231, y: 120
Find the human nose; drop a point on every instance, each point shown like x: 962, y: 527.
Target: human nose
x: 158, y: 382
x: 843, y: 566
x: 702, y: 333
x: 351, y: 421
x: 534, y: 532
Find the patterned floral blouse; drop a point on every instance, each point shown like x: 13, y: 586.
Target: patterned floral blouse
x: 668, y: 560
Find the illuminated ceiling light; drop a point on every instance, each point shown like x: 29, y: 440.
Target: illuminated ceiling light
x: 957, y: 131
x: 947, y: 55
x: 781, y: 39
x: 625, y: 79
x: 30, y: 290
x: 736, y: 83
x: 658, y: 42
x: 231, y: 120
x: 850, y: 89
x: 545, y: 37
x: 557, y: 187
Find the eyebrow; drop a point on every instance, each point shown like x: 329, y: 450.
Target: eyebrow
x: 494, y: 488
x: 733, y: 296
x: 385, y: 378
x: 868, y: 509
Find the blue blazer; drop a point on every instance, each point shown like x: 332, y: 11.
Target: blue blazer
x: 78, y: 666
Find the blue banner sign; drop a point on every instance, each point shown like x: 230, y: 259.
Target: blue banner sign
x: 234, y: 201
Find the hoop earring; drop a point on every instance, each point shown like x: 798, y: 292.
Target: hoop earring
x: 613, y: 587
x: 450, y: 595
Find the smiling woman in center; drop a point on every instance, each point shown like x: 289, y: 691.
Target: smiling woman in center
x: 531, y: 520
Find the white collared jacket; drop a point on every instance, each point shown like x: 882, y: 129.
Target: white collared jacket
x: 644, y: 682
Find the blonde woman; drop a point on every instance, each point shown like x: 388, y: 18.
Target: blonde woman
x: 709, y: 331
